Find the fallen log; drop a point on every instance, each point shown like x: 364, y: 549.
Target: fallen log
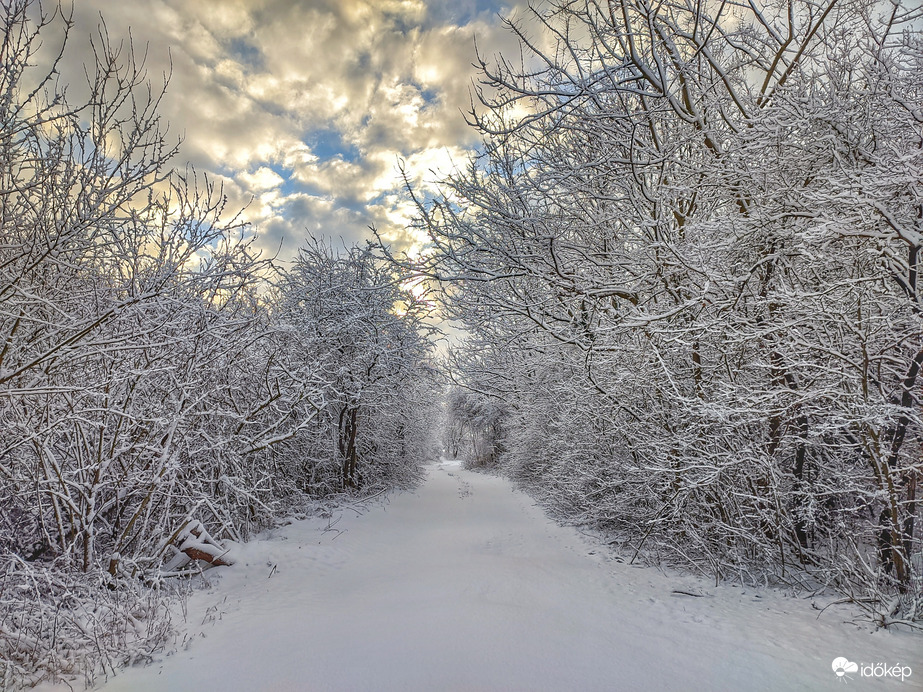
x: 193, y: 542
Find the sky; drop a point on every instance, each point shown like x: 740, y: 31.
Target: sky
x: 303, y: 108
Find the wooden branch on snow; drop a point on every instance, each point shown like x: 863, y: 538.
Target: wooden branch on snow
x: 193, y: 542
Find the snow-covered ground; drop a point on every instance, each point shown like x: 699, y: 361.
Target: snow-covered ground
x: 466, y: 585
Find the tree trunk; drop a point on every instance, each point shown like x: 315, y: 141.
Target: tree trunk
x: 349, y: 428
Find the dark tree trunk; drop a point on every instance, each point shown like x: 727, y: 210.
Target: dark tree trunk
x: 784, y: 375
x: 349, y: 428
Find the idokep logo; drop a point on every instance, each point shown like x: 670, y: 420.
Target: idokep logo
x: 842, y: 667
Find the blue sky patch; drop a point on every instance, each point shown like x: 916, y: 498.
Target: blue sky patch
x: 246, y: 53
x: 328, y: 144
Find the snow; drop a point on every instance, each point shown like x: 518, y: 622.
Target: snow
x: 465, y: 584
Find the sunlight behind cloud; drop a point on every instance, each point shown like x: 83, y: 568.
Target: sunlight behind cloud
x: 303, y: 109
x: 263, y: 179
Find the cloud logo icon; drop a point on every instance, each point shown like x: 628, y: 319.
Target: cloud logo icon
x: 841, y: 666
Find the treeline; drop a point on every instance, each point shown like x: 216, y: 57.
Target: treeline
x: 688, y: 260
x: 162, y: 387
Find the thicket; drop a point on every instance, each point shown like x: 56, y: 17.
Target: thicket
x: 162, y: 387
x: 688, y: 259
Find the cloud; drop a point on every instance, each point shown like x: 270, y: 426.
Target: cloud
x: 303, y: 108
x: 261, y: 180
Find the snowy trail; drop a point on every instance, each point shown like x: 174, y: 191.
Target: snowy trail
x: 465, y: 585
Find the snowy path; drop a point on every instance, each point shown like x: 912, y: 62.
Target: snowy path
x: 465, y: 585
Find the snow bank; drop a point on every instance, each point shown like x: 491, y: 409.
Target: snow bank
x: 466, y: 585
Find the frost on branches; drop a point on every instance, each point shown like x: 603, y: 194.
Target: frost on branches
x: 162, y: 388
x: 687, y: 256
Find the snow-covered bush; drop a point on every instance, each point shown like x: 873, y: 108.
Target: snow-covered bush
x: 688, y: 256
x: 56, y: 621
x: 157, y: 386
x: 473, y: 428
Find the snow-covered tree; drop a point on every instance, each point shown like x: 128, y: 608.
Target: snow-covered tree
x: 350, y: 313
x: 162, y: 388
x: 693, y: 233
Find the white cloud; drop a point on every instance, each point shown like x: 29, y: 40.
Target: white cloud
x: 262, y: 179
x: 303, y: 107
